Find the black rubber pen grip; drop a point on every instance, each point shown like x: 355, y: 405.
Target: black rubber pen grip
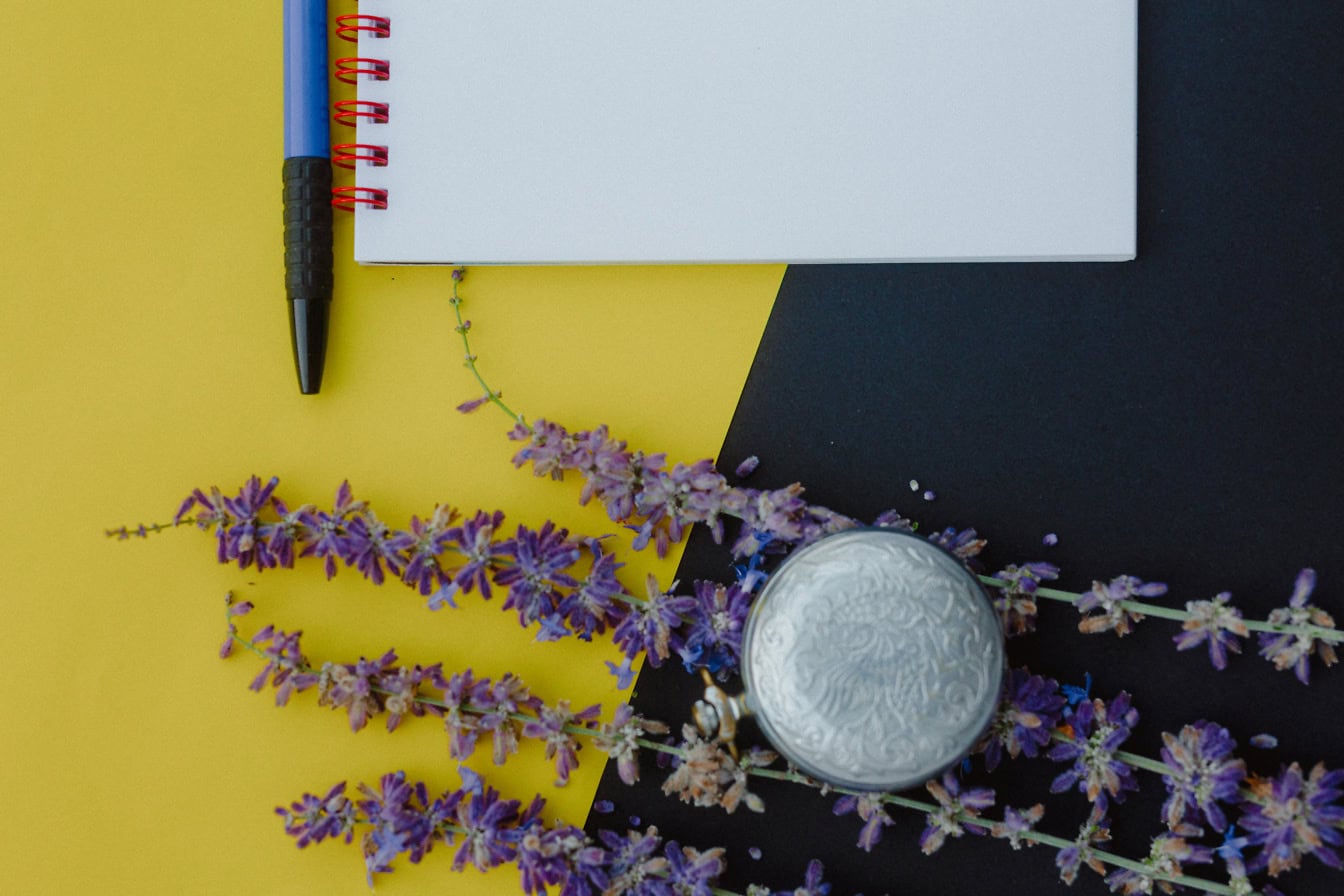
x: 308, y: 263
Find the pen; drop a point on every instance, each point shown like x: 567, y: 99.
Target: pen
x: 307, y: 177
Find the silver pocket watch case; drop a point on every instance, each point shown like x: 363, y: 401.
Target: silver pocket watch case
x: 872, y: 659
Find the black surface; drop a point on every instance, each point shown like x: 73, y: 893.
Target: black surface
x: 1176, y: 418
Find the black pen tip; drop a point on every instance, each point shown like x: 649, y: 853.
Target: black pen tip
x: 308, y: 327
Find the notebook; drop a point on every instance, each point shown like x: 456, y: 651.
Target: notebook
x: 685, y: 131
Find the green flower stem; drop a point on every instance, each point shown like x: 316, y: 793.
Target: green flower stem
x: 794, y: 777
x: 1032, y: 835
x: 470, y: 358
x: 1256, y: 625
x: 144, y: 530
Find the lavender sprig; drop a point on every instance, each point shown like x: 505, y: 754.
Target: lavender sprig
x: 503, y: 710
x: 703, y: 773
x: 1288, y: 638
x: 561, y: 584
x: 397, y: 818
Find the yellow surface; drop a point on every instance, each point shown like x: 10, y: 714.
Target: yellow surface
x: 145, y: 352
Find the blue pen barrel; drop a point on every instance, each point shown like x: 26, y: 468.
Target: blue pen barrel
x: 306, y: 129
x: 307, y: 188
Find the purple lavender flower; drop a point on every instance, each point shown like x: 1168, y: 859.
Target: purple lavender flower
x: 369, y: 544
x: 242, y: 540
x: 813, y: 885
x: 601, y: 460
x: 634, y: 866
x: 460, y: 692
x: 232, y: 610
x: 1082, y: 850
x: 549, y: 448
x: 1016, y: 600
x: 682, y: 496
x: 625, y: 673
x: 286, y: 666
x: 773, y: 515
x: 1294, y: 649
x: 1292, y: 816
x: 1215, y: 622
x: 544, y: 856
x: 892, y: 519
x: 1030, y: 706
x: 692, y: 872
x: 1097, y: 729
x: 352, y: 687
x: 1203, y: 773
x: 390, y: 812
x: 474, y: 404
x: 1105, y: 603
x: 954, y: 806
x: 654, y: 625
x: 486, y: 821
x: 620, y: 493
x: 963, y: 544
x: 422, y: 545
x: 475, y: 538
x: 1164, y: 860
x: 324, y: 534
x: 561, y: 745
x: 506, y: 697
x: 714, y: 639
x: 1016, y: 824
x: 872, y: 811
x: 400, y: 690
x: 312, y: 818
x: 591, y: 607
x: 213, y: 511
x: 539, y: 560
x: 747, y: 467
x: 286, y: 533
x: 620, y: 738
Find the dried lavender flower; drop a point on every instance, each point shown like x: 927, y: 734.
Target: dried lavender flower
x: 1016, y: 824
x: 1016, y: 600
x: 1097, y: 729
x: 747, y: 467
x: 706, y: 775
x: 1293, y: 650
x: 1216, y: 623
x: 1082, y: 851
x: 1203, y: 774
x: 1164, y: 860
x: 1294, y: 816
x: 692, y: 872
x: 551, y: 726
x: 1104, y: 604
x: 954, y: 805
x: 653, y: 626
x: 1030, y: 706
x: 871, y: 809
x: 714, y: 634
x: 620, y: 738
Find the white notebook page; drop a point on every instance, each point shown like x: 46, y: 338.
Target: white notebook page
x: 610, y: 131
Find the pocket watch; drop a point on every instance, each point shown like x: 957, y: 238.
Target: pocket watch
x: 872, y: 659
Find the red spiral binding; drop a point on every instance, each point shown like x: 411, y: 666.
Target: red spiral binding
x: 349, y: 27
x: 348, y: 112
x: 350, y: 68
x: 346, y: 198
x: 347, y: 155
